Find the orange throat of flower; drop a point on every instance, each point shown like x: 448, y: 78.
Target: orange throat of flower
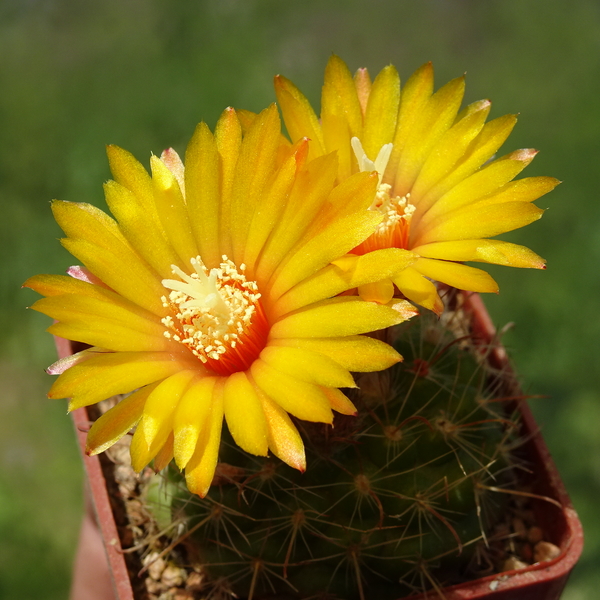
x: 397, y: 211
x: 217, y: 315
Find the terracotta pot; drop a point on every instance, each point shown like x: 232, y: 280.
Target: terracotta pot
x: 540, y: 581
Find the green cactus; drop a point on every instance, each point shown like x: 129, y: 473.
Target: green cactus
x: 392, y: 501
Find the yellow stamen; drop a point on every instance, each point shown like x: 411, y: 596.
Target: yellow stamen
x: 396, y: 210
x: 213, y: 311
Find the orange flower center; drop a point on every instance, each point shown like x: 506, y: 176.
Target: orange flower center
x: 394, y: 230
x: 217, y: 315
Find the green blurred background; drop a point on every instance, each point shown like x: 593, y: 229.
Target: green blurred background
x: 76, y: 75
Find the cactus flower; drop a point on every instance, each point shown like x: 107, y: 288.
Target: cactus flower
x: 441, y: 194
x: 212, y: 296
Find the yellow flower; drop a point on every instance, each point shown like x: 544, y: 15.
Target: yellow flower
x: 441, y: 195
x: 212, y: 295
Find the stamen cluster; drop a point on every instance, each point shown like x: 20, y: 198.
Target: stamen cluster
x: 393, y: 231
x: 213, y: 310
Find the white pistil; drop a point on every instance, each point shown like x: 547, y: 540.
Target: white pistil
x: 366, y: 164
x: 394, y: 209
x: 212, y: 309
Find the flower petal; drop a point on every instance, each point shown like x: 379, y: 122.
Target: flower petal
x: 143, y: 233
x: 354, y: 353
x: 283, y: 437
x: 480, y: 222
x: 172, y: 211
x: 200, y: 470
x: 339, y: 98
x: 418, y: 289
x: 228, y: 136
x: 191, y: 418
x: 102, y: 323
x: 105, y: 375
x: 202, y: 192
x: 117, y: 422
x: 272, y: 207
x: 307, y: 365
x: 450, y: 150
x: 490, y: 251
x: 341, y: 316
x: 422, y: 120
x: 157, y: 421
x: 244, y: 414
x: 165, y: 454
x: 339, y: 402
x: 334, y: 241
x: 254, y: 171
x: 130, y: 173
x: 484, y: 146
x: 298, y: 115
x: 382, y: 111
x: 457, y: 275
x: 303, y: 400
x: 312, y: 187
x: 380, y: 292
x: 124, y: 272
x: 333, y: 280
x: 486, y: 180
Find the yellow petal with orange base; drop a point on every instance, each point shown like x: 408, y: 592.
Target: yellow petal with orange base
x: 161, y: 404
x: 130, y: 173
x: 191, y: 418
x: 139, y: 230
x: 457, y: 275
x: 244, y: 414
x: 202, y: 192
x: 346, y: 315
x: 339, y: 401
x: 487, y: 180
x: 418, y: 289
x: 172, y: 210
x: 480, y: 222
x: 124, y: 272
x: 307, y: 198
x: 303, y: 400
x: 307, y: 366
x: 165, y: 454
x: 105, y: 375
x: 349, y: 272
x: 200, y: 469
x: 254, y: 171
x: 228, y: 137
x: 354, y: 353
x: 335, y: 240
x: 282, y: 436
x: 117, y: 422
x: 380, y: 292
x: 300, y: 119
x: 381, y: 112
x: 490, y: 251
